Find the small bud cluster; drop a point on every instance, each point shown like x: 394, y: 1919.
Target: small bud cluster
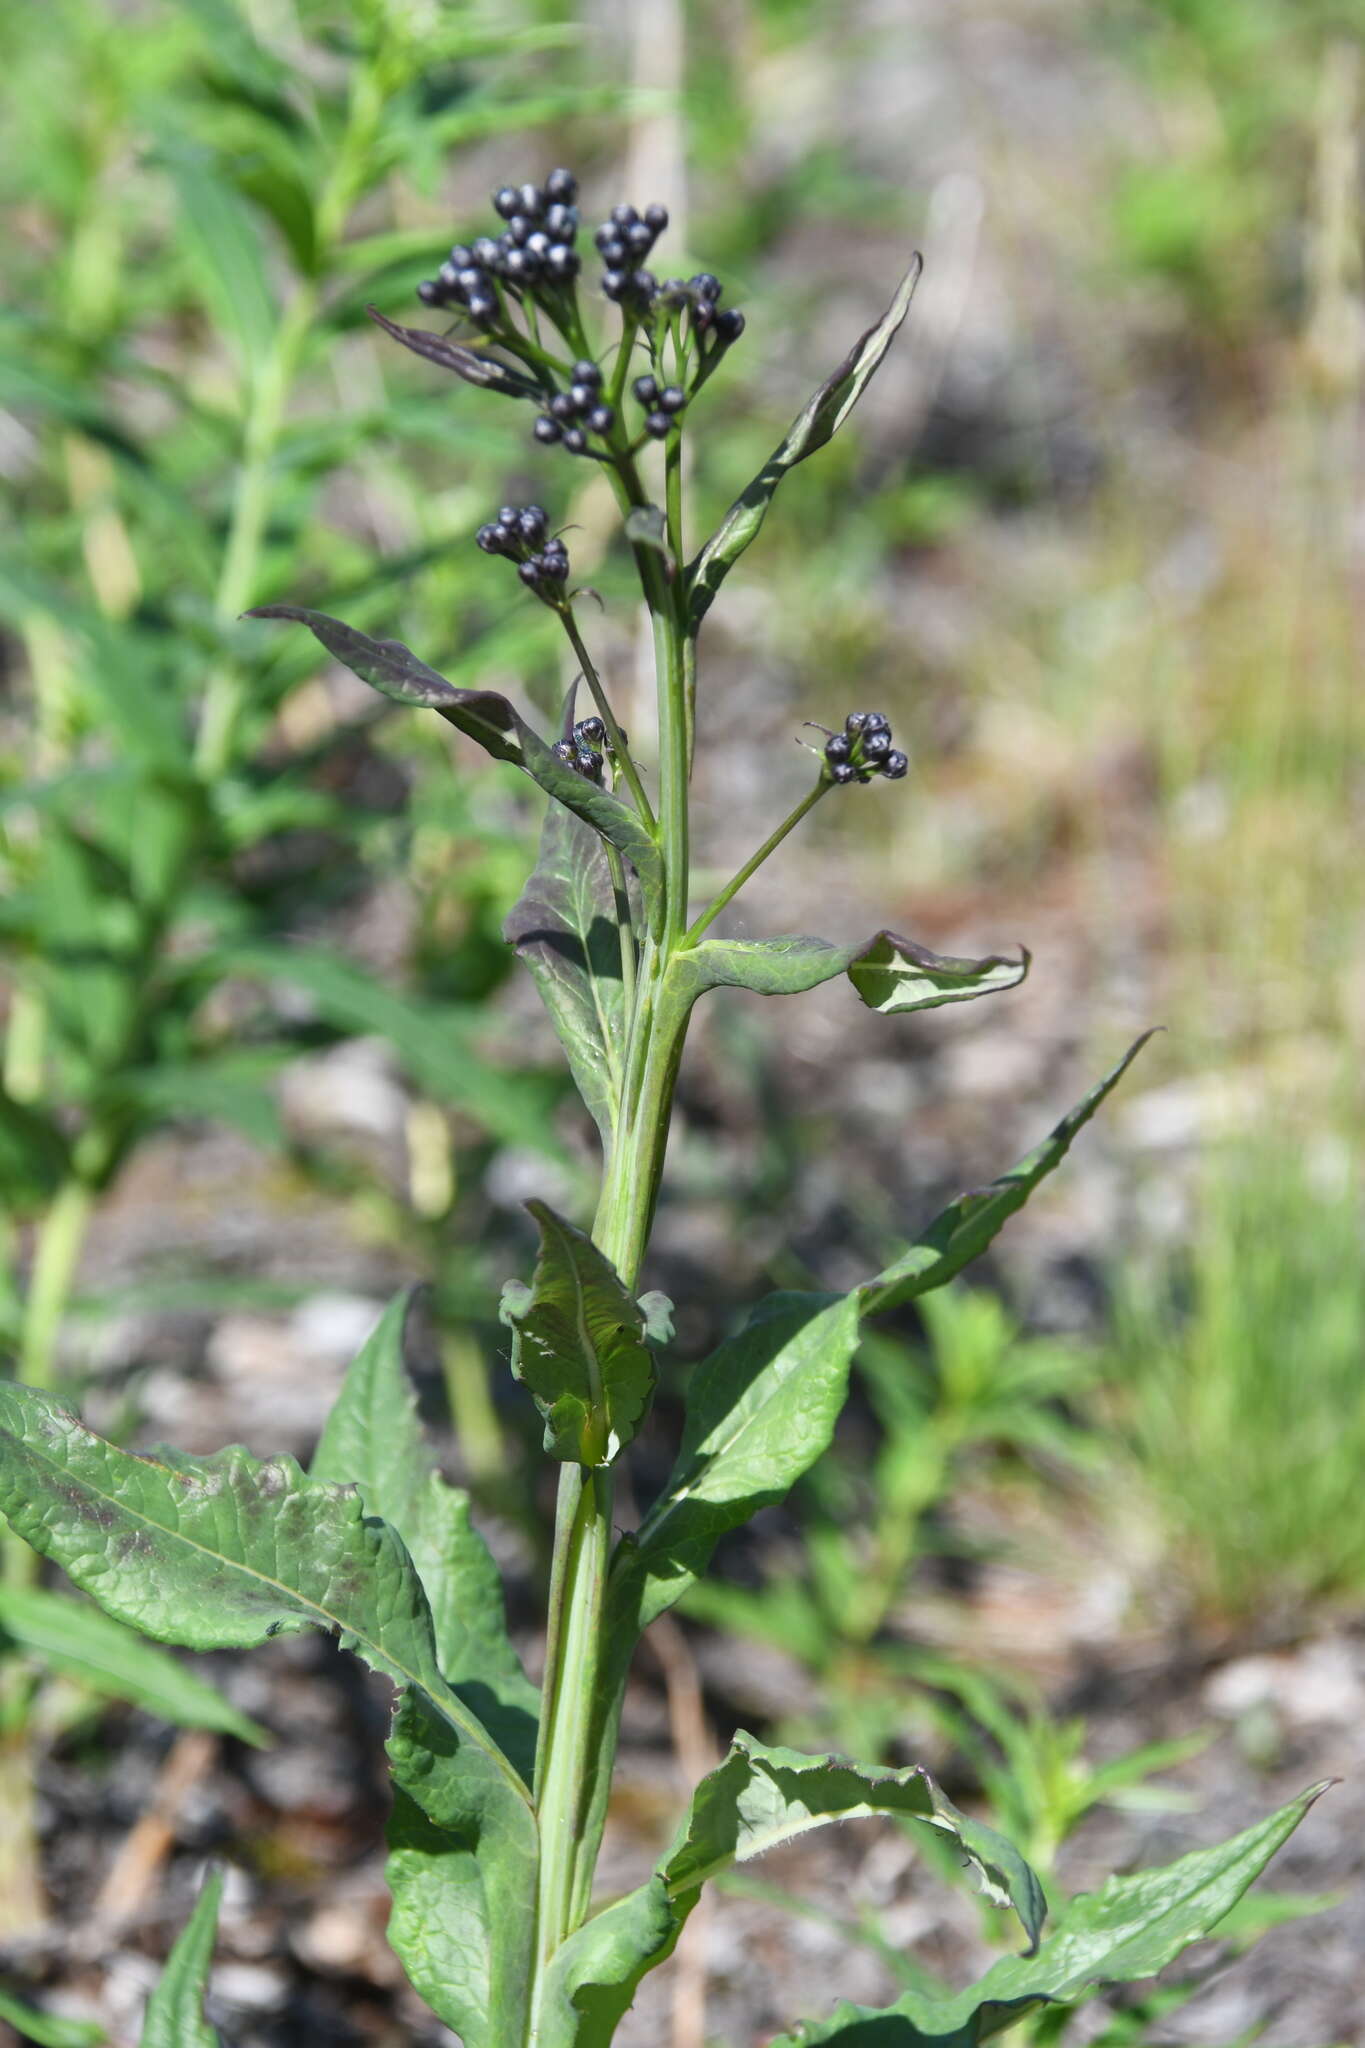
x: 863, y: 749
x: 583, y: 749
x: 535, y: 248
x: 572, y: 415
x: 521, y: 533
x: 662, y: 404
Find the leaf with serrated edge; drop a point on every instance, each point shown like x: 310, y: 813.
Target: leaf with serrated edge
x: 564, y: 928
x: 758, y: 1798
x: 968, y: 1225
x: 816, y: 424
x: 78, y: 1640
x: 890, y: 974
x: 490, y: 719
x: 373, y: 1439
x: 581, y: 1346
x: 175, y: 2010
x: 1129, y: 1929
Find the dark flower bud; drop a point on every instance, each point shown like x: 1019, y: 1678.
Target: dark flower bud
x: 575, y: 440
x: 429, y: 292
x: 646, y: 389
x: 565, y: 751
x: 529, y: 572
x: 624, y: 216
x: 505, y: 201
x: 656, y: 218
x: 461, y: 255
x: 519, y: 230
x: 472, y: 278
x: 703, y: 315
x: 729, y: 324
x: 876, y: 721
x: 538, y: 244
x: 561, y: 222
x: 490, y: 539
x: 563, y: 406
x: 531, y: 524
x: 606, y: 237
x: 448, y: 277
x: 590, y: 730
x: 517, y: 265
x: 672, y: 398
x: 586, y: 371
x: 563, y: 186
x: 583, y: 395
x: 530, y: 201
x: 895, y: 765
x: 876, y: 745
x: 547, y: 430
x: 508, y: 515
x: 841, y: 771
x: 614, y: 283
x: 638, y: 239
x: 601, y: 419
x: 483, y: 307
x: 590, y: 764
x: 562, y: 261
x: 644, y: 284
x: 658, y: 424
x: 838, y: 748
x: 485, y: 251
x: 706, y: 285
x: 855, y: 721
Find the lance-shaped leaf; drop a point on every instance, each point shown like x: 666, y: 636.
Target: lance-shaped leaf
x: 47, y: 2029
x: 373, y: 1439
x: 1129, y: 1929
x: 817, y: 423
x: 760, y: 1411
x: 579, y: 1345
x: 564, y: 928
x: 890, y: 973
x: 71, y: 1637
x: 756, y: 1800
x: 224, y: 1552
x: 968, y: 1225
x: 494, y: 722
x: 469, y: 363
x: 175, y: 2011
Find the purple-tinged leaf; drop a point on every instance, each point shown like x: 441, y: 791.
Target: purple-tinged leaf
x: 468, y: 363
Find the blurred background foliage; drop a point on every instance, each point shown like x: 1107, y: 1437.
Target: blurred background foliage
x: 1092, y: 542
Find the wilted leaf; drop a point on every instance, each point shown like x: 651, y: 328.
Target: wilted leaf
x: 468, y: 363
x: 891, y: 974
x: 819, y: 421
x: 483, y: 715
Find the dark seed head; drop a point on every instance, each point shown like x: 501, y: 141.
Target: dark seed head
x: 706, y: 285
x: 505, y: 201
x: 837, y: 748
x: 895, y: 765
x: 841, y: 771
x: 644, y: 284
x: 538, y: 243
x: 575, y: 440
x: 601, y: 419
x: 561, y: 222
x: 656, y: 218
x: 646, y: 389
x: 547, y: 430
x: 876, y: 745
x: 672, y: 398
x: 658, y: 424
x: 563, y: 186
x: 485, y: 251
x: 590, y: 729
x: 638, y: 238
x: 483, y: 307
x: 876, y: 721
x: 563, y: 406
x: 490, y: 539
x: 461, y: 254
x: 530, y: 572
x: 583, y: 395
x: 562, y: 261
x: 587, y: 372
x: 855, y: 721
x: 531, y: 524
x: 614, y: 283
x: 530, y: 201
x: 606, y: 237
x: 624, y: 216
x: 508, y: 515
x: 729, y: 323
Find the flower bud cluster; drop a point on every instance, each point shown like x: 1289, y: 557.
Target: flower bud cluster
x: 572, y: 415
x: 583, y: 749
x: 863, y: 749
x: 521, y: 533
x: 535, y: 250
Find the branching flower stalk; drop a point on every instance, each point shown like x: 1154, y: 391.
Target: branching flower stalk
x: 501, y: 1793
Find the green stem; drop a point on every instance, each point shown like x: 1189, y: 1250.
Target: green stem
x: 755, y: 861
x: 608, y: 718
x: 625, y: 933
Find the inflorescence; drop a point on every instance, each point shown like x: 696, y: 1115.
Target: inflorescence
x: 863, y: 749
x: 584, y: 747
x: 522, y: 534
x: 504, y: 285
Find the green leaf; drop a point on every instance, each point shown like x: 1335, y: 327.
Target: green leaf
x: 564, y: 928
x: 45, y: 2028
x: 891, y: 974
x: 579, y: 1345
x: 175, y: 2011
x: 34, y: 1156
x: 816, y: 424
x: 374, y: 1440
x: 488, y: 718
x: 1131, y: 1928
x: 76, y: 1639
x: 230, y: 1088
x: 760, y: 1411
x: 224, y: 251
x: 965, y: 1228
x: 224, y: 1553
x: 756, y: 1800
